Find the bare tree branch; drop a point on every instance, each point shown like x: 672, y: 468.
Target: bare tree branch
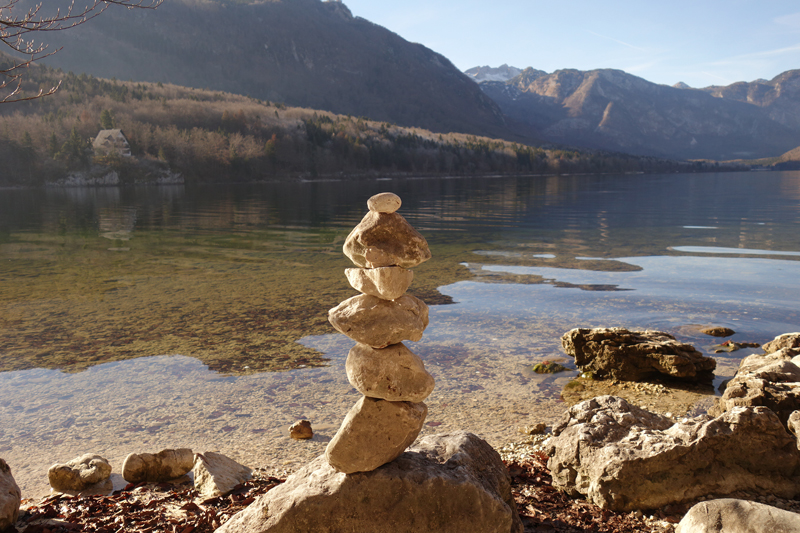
x: 15, y: 27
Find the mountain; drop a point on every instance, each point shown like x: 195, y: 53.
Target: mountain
x: 304, y: 53
x: 486, y: 73
x: 613, y: 110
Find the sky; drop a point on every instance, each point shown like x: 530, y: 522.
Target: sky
x: 698, y: 42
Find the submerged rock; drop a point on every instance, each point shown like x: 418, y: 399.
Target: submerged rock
x: 618, y: 353
x: 157, y: 467
x: 737, y: 516
x: 80, y: 473
x: 451, y: 483
x: 624, y: 458
x: 718, y: 331
x: 373, y: 433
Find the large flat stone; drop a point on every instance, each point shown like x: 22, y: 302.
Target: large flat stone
x: 373, y: 433
x: 394, y: 373
x: 452, y: 483
x: 385, y: 239
x: 624, y: 458
x: 379, y: 323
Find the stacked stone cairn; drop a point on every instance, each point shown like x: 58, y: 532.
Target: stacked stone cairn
x: 393, y: 380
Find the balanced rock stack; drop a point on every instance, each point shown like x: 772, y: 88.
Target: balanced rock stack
x: 392, y: 379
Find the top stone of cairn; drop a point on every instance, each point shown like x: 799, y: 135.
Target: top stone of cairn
x: 385, y: 202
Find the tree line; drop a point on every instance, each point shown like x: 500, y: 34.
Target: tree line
x: 209, y: 136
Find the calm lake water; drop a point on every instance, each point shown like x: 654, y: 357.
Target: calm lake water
x: 134, y: 319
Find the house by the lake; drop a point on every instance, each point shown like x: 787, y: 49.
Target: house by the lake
x: 109, y: 141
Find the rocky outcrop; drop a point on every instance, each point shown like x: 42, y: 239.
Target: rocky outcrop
x: 158, y: 467
x: 79, y: 473
x: 787, y: 340
x: 771, y: 380
x: 623, y: 458
x: 10, y: 497
x: 737, y: 516
x: 446, y: 484
x: 217, y: 475
x: 618, y: 353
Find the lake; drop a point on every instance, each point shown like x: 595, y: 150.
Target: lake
x: 142, y: 318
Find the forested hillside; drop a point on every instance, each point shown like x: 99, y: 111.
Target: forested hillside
x: 213, y: 136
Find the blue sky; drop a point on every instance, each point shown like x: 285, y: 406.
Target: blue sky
x: 699, y: 42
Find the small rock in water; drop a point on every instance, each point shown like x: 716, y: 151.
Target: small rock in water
x: 718, y: 331
x: 546, y: 367
x: 301, y: 430
x: 154, y: 468
x: 385, y: 202
x: 80, y: 473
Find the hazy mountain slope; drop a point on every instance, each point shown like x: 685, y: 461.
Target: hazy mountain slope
x: 302, y: 52
x: 779, y: 97
x: 486, y: 73
x: 613, y: 110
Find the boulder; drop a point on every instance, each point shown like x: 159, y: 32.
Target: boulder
x: 379, y: 323
x: 770, y: 380
x: 393, y: 373
x: 635, y: 355
x: 301, y: 430
x: 79, y: 474
x: 385, y: 202
x: 738, y: 516
x: 446, y: 484
x: 373, y: 433
x: 385, y: 239
x: 787, y: 340
x: 387, y: 283
x: 624, y: 458
x: 217, y: 475
x: 155, y: 468
x: 10, y: 498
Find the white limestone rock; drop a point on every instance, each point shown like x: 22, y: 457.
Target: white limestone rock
x: 727, y: 515
x: 388, y: 283
x: 385, y: 239
x: 10, y: 497
x: 373, y: 433
x: 379, y: 323
x: 217, y: 475
x: 385, y: 202
x: 79, y: 473
x: 154, y: 468
x: 452, y: 483
x: 393, y: 373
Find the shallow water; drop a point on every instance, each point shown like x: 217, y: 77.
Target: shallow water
x: 137, y: 319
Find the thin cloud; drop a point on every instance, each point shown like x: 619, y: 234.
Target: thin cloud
x: 792, y: 20
x: 757, y: 55
x: 710, y: 75
x: 623, y: 43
